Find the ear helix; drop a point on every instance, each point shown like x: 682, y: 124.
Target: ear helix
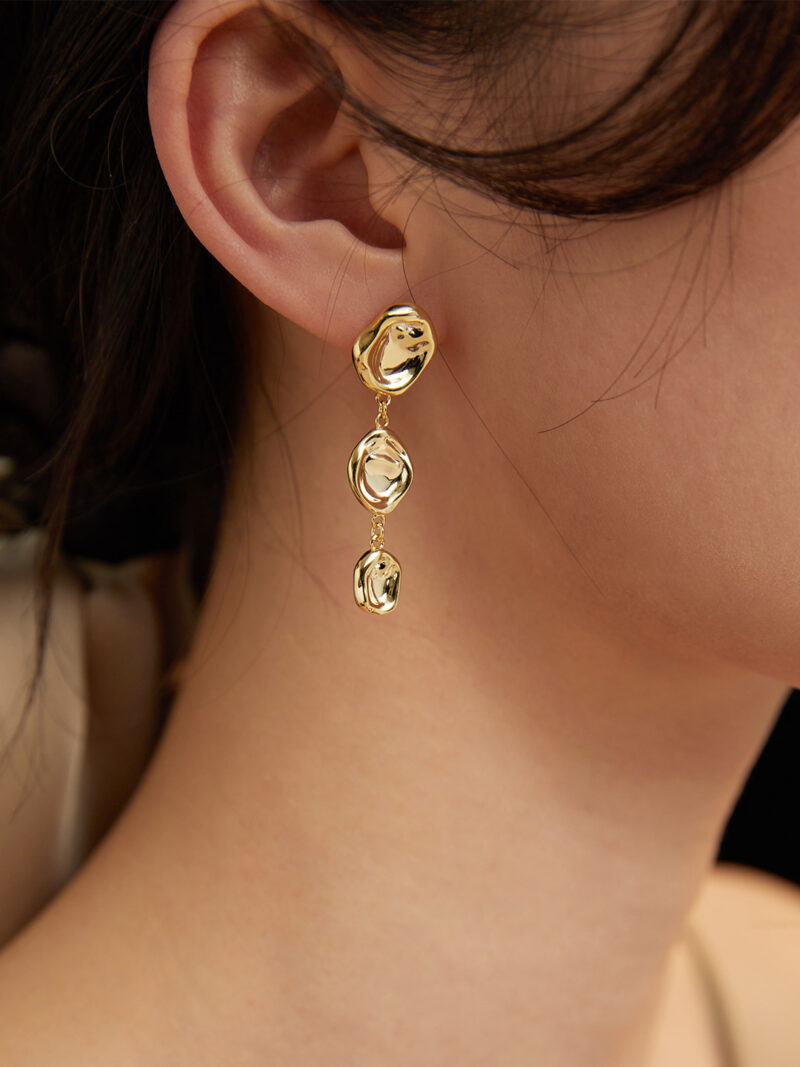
x: 389, y: 356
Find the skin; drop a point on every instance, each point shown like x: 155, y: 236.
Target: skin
x: 469, y: 831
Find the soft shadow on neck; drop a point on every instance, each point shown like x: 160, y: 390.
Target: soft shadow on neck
x: 468, y: 832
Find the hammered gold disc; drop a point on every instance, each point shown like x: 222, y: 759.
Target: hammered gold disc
x: 376, y: 581
x: 392, y: 353
x: 380, y: 471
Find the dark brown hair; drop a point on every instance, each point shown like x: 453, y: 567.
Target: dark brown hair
x: 121, y: 368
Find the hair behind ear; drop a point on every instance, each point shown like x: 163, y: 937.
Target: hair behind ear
x: 105, y: 291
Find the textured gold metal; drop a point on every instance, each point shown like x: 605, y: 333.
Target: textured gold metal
x: 382, y: 418
x: 377, y: 531
x: 376, y: 581
x: 389, y: 357
x: 380, y: 471
x: 391, y: 354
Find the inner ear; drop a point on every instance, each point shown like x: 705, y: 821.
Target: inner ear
x: 271, y: 173
x: 307, y: 166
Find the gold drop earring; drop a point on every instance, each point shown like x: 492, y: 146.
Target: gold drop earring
x: 389, y: 356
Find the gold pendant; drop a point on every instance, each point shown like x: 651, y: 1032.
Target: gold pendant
x: 389, y: 356
x: 380, y: 471
x: 376, y: 581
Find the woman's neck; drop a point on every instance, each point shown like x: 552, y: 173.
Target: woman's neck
x: 457, y: 842
x: 465, y: 832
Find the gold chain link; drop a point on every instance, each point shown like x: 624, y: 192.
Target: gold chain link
x: 378, y: 528
x: 378, y: 522
x: 382, y: 418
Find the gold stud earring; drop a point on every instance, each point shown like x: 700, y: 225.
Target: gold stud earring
x: 389, y: 356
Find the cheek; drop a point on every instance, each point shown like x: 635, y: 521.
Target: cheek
x: 679, y: 484
x: 688, y: 521
x: 672, y: 373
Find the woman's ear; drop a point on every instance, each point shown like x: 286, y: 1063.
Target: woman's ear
x: 268, y: 171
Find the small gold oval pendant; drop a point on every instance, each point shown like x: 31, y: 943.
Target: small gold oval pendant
x: 380, y: 471
x: 392, y: 353
x: 376, y: 581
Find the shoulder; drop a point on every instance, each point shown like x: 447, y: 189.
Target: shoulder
x: 751, y: 907
x: 735, y: 881
x: 748, y: 922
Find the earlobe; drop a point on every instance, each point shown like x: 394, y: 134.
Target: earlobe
x: 267, y: 170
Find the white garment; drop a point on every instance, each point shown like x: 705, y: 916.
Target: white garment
x: 68, y: 764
